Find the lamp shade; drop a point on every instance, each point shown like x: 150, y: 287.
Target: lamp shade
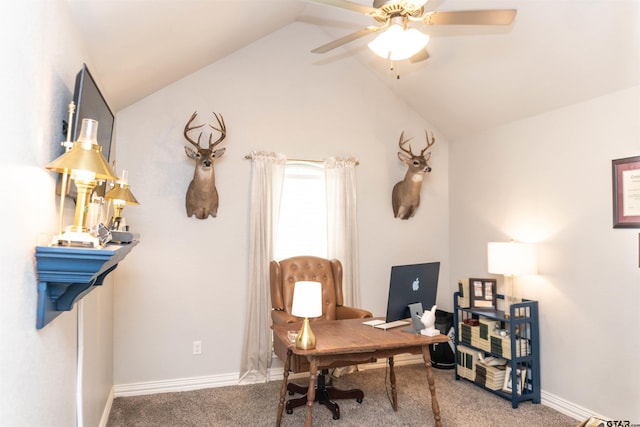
x: 512, y: 258
x: 122, y: 192
x: 85, y: 155
x: 398, y: 43
x: 307, y: 299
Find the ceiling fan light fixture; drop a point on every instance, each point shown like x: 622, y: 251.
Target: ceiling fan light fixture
x: 398, y: 43
x: 414, y: 4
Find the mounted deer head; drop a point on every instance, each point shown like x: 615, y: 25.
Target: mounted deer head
x: 406, y: 193
x: 202, y: 195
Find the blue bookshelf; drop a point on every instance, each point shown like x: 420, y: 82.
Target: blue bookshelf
x: 513, y: 336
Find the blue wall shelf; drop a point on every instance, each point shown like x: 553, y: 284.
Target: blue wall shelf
x: 66, y: 274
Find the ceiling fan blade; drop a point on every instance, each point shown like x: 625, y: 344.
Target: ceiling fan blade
x: 470, y: 17
x: 346, y: 39
x: 354, y: 7
x: 420, y: 56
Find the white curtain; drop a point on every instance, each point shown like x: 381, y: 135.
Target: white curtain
x: 342, y: 225
x: 267, y: 174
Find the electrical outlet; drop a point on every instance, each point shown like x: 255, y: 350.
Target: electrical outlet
x: 197, y: 347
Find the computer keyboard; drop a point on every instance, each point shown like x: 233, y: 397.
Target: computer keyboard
x: 390, y: 325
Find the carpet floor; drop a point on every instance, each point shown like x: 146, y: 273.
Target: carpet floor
x: 461, y: 404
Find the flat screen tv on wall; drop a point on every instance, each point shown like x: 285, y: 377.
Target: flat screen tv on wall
x: 91, y: 104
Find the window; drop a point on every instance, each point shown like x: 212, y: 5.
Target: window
x: 302, y: 228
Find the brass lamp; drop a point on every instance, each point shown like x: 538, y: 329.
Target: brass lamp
x: 120, y: 196
x: 86, y: 166
x: 307, y: 302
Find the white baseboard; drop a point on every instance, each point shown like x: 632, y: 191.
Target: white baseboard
x: 178, y: 384
x: 275, y: 374
x: 567, y: 408
x: 195, y: 383
x: 107, y: 410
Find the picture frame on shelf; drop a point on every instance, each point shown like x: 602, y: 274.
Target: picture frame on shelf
x: 626, y: 192
x: 521, y: 375
x: 482, y: 294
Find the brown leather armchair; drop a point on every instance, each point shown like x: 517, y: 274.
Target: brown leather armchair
x: 283, y: 276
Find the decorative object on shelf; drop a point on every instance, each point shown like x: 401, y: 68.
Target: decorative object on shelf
x: 202, y: 195
x: 520, y: 376
x: 428, y: 319
x: 464, y: 299
x: 307, y: 302
x: 405, y: 196
x: 482, y: 295
x: 626, y: 192
x: 86, y: 166
x: 511, y: 259
x: 120, y: 195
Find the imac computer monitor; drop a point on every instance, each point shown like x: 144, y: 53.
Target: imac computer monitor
x: 410, y: 284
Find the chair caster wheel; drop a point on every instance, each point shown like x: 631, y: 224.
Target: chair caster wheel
x: 291, y: 393
x: 289, y: 411
x: 359, y: 400
x: 335, y: 417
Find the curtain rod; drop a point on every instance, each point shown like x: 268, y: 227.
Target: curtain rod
x: 249, y: 157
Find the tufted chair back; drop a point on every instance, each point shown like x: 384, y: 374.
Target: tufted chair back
x: 283, y: 276
x: 286, y: 273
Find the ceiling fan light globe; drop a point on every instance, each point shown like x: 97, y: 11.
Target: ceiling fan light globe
x: 383, y: 44
x: 397, y: 44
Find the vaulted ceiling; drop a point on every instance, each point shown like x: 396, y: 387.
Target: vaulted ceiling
x: 556, y: 53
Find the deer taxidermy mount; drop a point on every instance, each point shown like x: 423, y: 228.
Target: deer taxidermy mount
x: 405, y: 197
x: 202, y: 195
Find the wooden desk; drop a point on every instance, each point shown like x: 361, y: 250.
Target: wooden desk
x: 338, y: 340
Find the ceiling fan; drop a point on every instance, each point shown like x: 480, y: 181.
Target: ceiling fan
x: 400, y: 39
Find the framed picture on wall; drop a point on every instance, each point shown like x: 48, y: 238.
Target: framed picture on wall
x: 626, y: 192
x: 482, y: 293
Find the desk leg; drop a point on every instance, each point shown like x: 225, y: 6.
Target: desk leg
x: 432, y: 385
x: 283, y: 389
x: 311, y: 393
x: 394, y: 391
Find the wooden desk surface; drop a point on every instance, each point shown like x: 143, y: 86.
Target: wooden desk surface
x: 351, y: 336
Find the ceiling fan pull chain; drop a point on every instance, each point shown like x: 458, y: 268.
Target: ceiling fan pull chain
x: 392, y: 67
x: 391, y: 63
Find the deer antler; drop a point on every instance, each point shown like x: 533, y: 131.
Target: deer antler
x: 187, y: 129
x: 429, y: 144
x: 222, y: 130
x: 402, y: 142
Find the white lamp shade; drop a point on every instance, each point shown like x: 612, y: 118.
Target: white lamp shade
x: 397, y: 43
x: 307, y: 299
x: 512, y: 258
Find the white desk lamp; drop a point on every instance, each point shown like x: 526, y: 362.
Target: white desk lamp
x: 307, y: 302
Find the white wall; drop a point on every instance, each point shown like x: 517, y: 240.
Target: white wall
x: 38, y: 377
x: 548, y: 179
x: 187, y: 280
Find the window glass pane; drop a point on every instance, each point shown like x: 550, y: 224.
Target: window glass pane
x: 302, y: 228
